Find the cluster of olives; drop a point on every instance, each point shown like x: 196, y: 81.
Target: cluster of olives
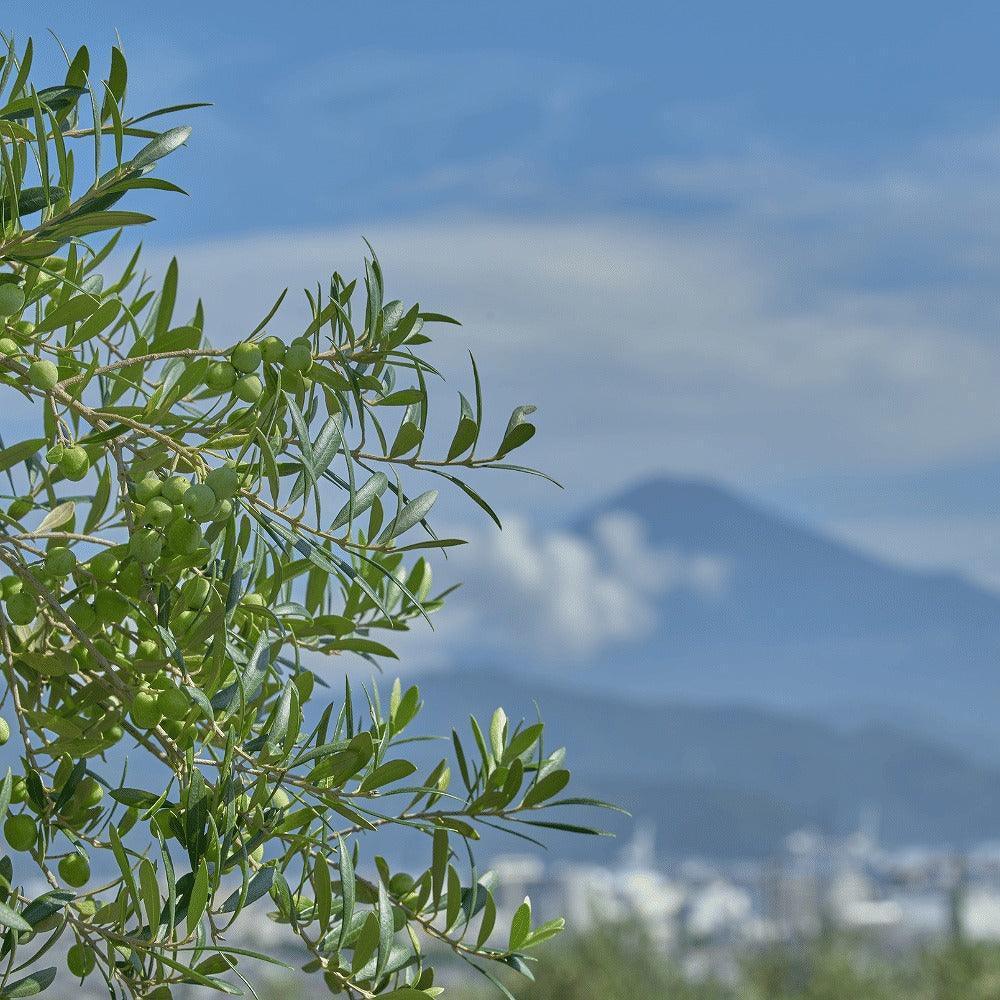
x: 174, y: 519
x: 42, y: 373
x: 173, y: 511
x: 21, y: 831
x: 84, y: 804
x: 72, y: 460
x: 160, y: 703
x: 238, y: 374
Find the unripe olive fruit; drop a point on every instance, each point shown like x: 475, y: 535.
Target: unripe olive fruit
x: 159, y: 512
x: 224, y: 511
x: 146, y: 545
x: 18, y: 790
x: 195, y: 591
x: 54, y: 455
x: 80, y: 960
x: 147, y: 649
x: 184, y: 620
x: 148, y: 487
x: 253, y: 600
x: 246, y: 357
x: 60, y: 561
x: 110, y: 607
x: 4, y: 731
x: 174, y: 488
x: 174, y: 704
x: 130, y: 580
x: 104, y: 566
x: 11, y: 585
x: 146, y: 710
x: 74, y: 870
x: 272, y: 350
x: 8, y: 347
x: 184, y: 537
x: 224, y: 482
x: 74, y: 464
x: 221, y: 376
x: 88, y: 793
x: 200, y: 502
x: 249, y: 388
x: 20, y: 832
x: 22, y: 608
x: 172, y: 728
x: 20, y: 506
x: 11, y: 298
x: 298, y: 357
x: 43, y: 374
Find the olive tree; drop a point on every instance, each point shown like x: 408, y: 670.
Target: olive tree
x: 195, y: 525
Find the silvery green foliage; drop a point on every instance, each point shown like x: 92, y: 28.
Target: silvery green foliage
x: 197, y: 531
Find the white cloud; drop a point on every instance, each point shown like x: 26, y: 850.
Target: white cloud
x: 691, y: 347
x: 549, y: 596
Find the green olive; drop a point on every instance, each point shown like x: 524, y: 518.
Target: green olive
x: 11, y: 298
x: 43, y: 374
x: 20, y: 832
x: 220, y: 376
x: 80, y: 960
x: 22, y: 608
x: 20, y: 506
x: 195, y: 592
x: 249, y: 388
x: 174, y: 704
x: 148, y: 487
x: 146, y: 710
x: 159, y: 512
x: 184, y: 537
x: 200, y: 502
x: 272, y: 350
x: 246, y: 357
x: 60, y: 561
x: 174, y: 489
x: 104, y: 566
x: 146, y: 545
x: 298, y: 357
x: 74, y: 869
x: 75, y: 463
x: 224, y: 482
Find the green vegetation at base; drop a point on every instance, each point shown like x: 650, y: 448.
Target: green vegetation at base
x: 620, y: 962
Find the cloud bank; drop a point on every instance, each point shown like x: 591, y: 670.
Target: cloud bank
x: 550, y: 597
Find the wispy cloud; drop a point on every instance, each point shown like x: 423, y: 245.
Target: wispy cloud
x: 693, y: 347
x: 551, y: 597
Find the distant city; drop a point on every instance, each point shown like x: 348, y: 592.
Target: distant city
x: 707, y: 913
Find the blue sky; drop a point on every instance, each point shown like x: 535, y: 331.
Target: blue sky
x: 752, y: 242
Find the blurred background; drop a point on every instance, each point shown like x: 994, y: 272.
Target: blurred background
x: 745, y: 260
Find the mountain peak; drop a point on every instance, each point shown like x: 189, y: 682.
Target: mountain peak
x: 805, y: 621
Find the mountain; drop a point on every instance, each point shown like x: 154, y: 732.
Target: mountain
x: 805, y: 623
x: 730, y: 780
x: 818, y: 685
